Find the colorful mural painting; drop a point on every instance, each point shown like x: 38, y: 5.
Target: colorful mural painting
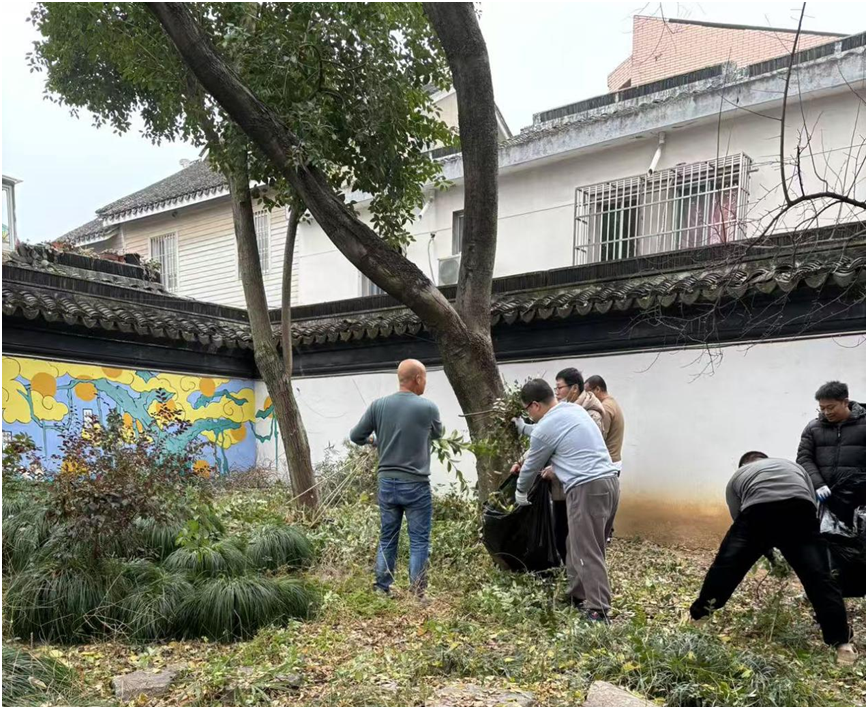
x: 41, y: 398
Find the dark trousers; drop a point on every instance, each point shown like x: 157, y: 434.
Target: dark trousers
x: 562, y: 528
x: 792, y: 527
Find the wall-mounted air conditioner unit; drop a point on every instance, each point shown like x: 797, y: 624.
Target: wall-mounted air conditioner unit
x: 448, y: 270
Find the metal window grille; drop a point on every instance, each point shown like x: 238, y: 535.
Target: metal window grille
x: 165, y: 250
x: 262, y: 227
x: 684, y: 207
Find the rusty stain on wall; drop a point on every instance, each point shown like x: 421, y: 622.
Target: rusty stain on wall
x: 684, y: 523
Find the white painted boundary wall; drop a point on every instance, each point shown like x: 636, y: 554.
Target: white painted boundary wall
x: 685, y: 428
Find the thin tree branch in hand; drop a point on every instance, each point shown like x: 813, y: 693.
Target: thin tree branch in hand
x: 784, y: 105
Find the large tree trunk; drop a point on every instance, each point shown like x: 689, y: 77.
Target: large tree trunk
x: 466, y: 351
x: 268, y: 360
x: 476, y: 381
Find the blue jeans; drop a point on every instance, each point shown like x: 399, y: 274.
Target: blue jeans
x: 397, y: 498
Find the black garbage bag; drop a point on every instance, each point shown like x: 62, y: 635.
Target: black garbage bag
x: 845, y: 540
x: 848, y: 496
x: 521, y: 538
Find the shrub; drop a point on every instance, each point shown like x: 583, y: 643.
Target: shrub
x: 153, y: 608
x: 159, y: 538
x: 111, y: 476
x: 230, y: 608
x: 24, y: 533
x: 209, y: 559
x: 64, y: 601
x: 276, y: 546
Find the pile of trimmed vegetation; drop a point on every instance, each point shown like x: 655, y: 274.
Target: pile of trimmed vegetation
x: 124, y: 541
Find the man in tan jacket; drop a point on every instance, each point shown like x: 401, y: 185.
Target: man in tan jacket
x: 614, y: 432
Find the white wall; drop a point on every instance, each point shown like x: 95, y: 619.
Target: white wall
x: 688, y: 419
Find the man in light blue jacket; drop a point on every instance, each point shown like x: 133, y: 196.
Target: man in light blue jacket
x: 567, y: 439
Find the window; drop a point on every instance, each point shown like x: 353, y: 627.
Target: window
x: 706, y: 209
x: 457, y: 231
x: 688, y: 206
x: 618, y: 225
x: 262, y: 225
x: 87, y: 417
x: 8, y: 219
x: 7, y: 438
x: 164, y: 250
x: 368, y: 287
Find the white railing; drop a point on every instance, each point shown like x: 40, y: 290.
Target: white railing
x: 683, y: 207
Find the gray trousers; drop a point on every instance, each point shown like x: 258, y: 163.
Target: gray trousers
x: 591, y: 511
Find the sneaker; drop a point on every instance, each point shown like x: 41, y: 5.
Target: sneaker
x: 697, y: 622
x: 846, y: 654
x: 593, y: 616
x: 383, y: 591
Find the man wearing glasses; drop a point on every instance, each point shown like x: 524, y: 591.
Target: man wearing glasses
x: 566, y: 439
x: 832, y: 451
x: 569, y: 387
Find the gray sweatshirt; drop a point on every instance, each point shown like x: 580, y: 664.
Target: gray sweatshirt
x: 404, y: 424
x: 768, y: 480
x: 568, y: 439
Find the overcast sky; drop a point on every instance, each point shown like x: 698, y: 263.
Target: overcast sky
x: 543, y: 55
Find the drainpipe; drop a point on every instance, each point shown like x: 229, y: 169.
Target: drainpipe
x: 661, y: 138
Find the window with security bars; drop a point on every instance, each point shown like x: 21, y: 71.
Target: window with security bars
x: 687, y: 206
x: 164, y: 250
x: 262, y: 225
x: 368, y: 287
x: 457, y: 231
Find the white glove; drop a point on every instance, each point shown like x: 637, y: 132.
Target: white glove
x: 519, y: 424
x: 521, y: 499
x: 824, y: 493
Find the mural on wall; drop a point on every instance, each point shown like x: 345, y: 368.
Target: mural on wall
x: 42, y: 398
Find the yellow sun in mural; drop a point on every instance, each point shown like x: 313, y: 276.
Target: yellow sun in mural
x: 202, y: 468
x: 207, y: 386
x: 85, y: 391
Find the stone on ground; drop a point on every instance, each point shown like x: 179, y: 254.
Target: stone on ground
x: 150, y: 684
x: 604, y: 694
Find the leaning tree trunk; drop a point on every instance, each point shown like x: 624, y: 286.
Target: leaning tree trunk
x: 286, y: 291
x: 467, y: 352
x: 268, y: 360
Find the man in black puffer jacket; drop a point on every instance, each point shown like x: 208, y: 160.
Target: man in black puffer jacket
x: 832, y: 451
